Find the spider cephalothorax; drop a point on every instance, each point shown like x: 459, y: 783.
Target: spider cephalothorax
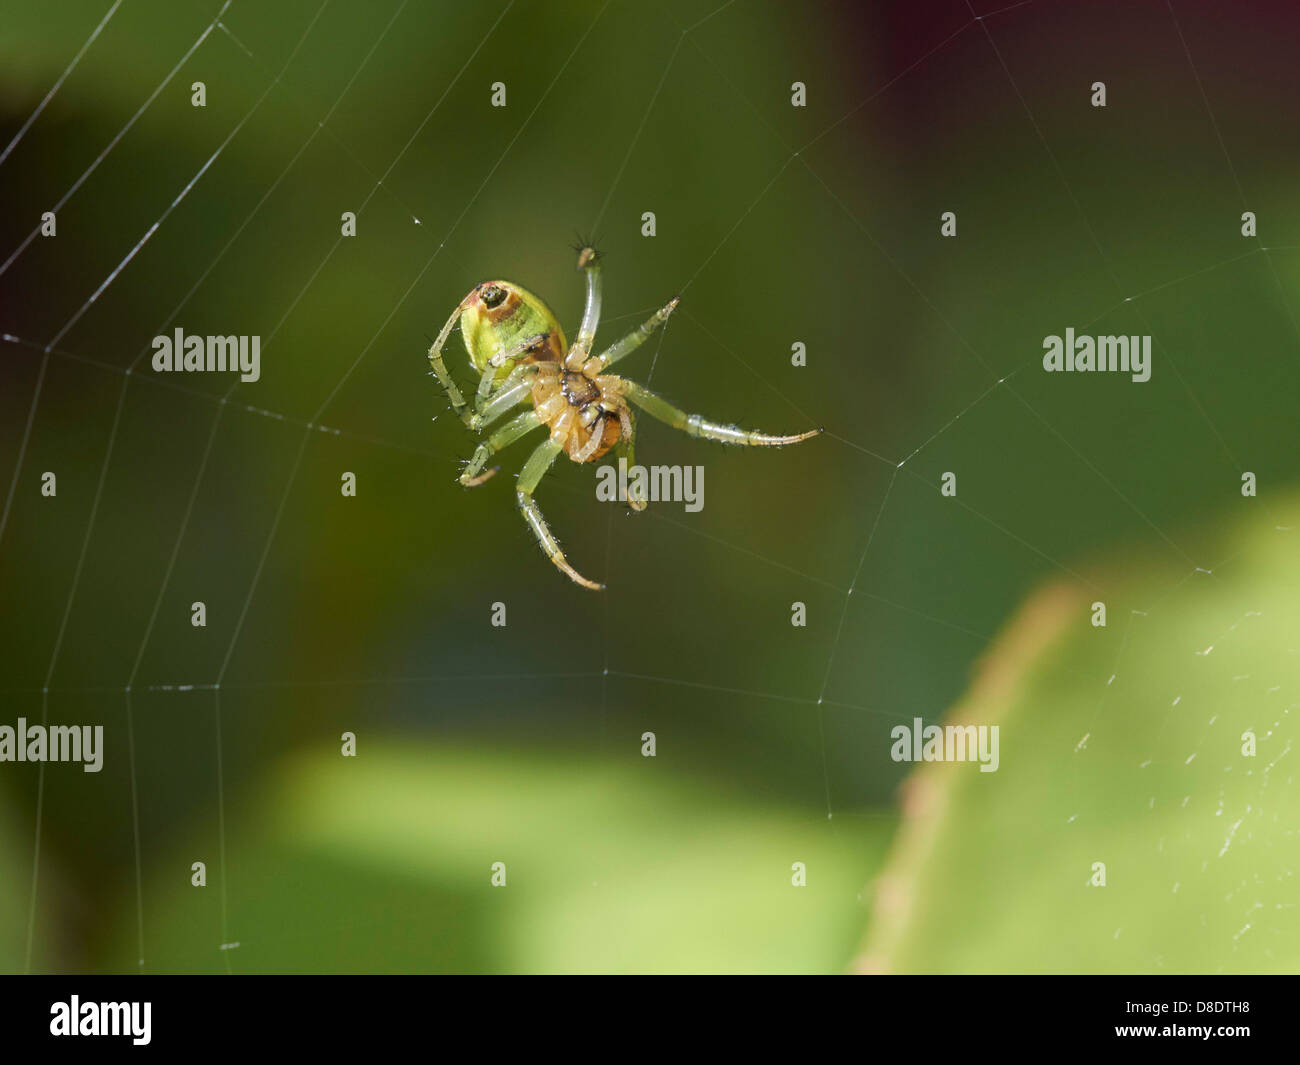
x: 585, y: 411
x: 519, y: 351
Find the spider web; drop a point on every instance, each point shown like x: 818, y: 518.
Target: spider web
x: 851, y: 561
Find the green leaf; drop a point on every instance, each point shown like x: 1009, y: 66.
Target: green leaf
x: 1121, y: 745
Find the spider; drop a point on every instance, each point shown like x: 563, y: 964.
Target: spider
x: 517, y: 347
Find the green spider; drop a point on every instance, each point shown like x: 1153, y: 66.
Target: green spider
x: 517, y: 346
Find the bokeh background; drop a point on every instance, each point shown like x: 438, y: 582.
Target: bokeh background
x: 776, y: 224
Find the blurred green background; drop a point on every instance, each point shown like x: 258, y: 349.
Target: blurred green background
x: 522, y: 744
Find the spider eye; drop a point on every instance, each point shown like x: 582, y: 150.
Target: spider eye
x: 492, y: 296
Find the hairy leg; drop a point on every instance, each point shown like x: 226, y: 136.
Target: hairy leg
x: 503, y: 437
x: 440, y: 367
x: 626, y: 449
x: 696, y: 425
x: 485, y: 384
x: 513, y: 391
x: 589, y: 261
x: 532, y: 473
x: 638, y: 336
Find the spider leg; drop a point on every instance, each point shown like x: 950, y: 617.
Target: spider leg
x: 503, y: 437
x: 589, y: 261
x: 440, y: 367
x: 625, y: 449
x: 696, y: 425
x: 534, y: 470
x: 513, y: 391
x: 638, y: 336
x: 485, y: 385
